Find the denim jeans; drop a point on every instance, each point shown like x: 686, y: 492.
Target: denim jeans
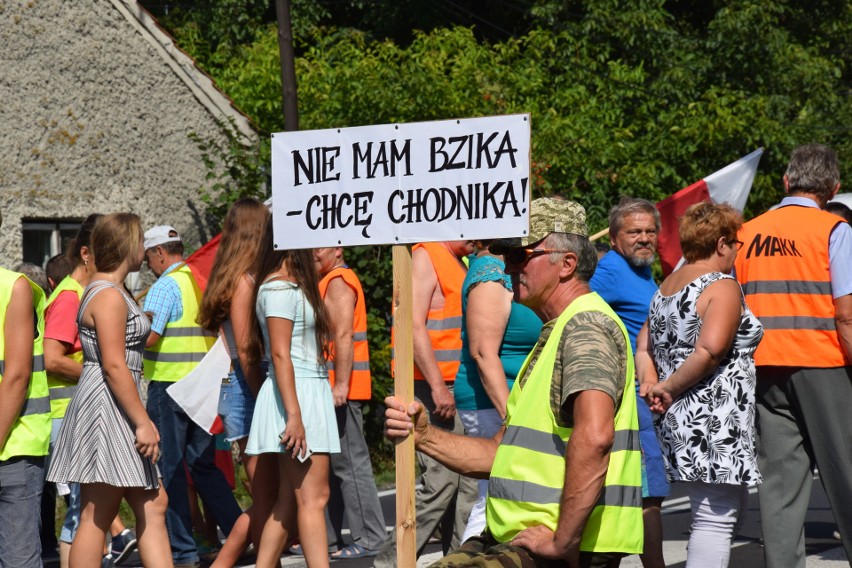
x: 181, y: 440
x: 236, y: 402
x: 72, y: 515
x: 20, y: 511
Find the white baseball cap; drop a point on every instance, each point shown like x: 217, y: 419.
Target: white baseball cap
x: 160, y: 235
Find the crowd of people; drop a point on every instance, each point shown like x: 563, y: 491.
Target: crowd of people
x: 558, y: 390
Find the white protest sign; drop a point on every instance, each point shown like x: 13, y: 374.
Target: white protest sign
x: 402, y: 183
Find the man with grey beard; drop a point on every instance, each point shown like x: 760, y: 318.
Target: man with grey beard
x: 623, y: 279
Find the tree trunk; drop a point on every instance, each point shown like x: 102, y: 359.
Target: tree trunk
x: 288, y: 65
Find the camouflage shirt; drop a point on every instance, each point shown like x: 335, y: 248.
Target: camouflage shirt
x: 592, y: 356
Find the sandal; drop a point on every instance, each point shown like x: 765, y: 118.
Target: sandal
x: 296, y: 550
x: 354, y: 551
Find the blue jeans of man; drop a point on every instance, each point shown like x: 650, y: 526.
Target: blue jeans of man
x: 181, y: 440
x: 20, y: 511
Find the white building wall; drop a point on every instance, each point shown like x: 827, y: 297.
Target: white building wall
x: 96, y: 105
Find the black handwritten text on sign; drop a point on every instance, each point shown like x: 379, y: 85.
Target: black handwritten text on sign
x: 404, y: 183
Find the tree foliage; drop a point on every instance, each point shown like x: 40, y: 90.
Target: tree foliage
x: 627, y: 97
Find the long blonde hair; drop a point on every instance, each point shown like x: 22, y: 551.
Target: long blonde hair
x: 242, y: 235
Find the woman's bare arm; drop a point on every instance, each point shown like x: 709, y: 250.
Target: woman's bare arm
x: 720, y: 309
x: 280, y: 340
x: 242, y: 305
x: 488, y: 307
x: 107, y: 314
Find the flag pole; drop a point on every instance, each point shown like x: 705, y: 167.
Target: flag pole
x: 599, y: 234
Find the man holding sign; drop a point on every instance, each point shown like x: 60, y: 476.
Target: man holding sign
x: 449, y: 181
x: 578, y: 500
x: 437, y: 274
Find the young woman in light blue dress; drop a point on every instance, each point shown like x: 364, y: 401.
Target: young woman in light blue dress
x: 294, y: 413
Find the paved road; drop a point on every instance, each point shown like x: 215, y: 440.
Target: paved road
x: 823, y: 551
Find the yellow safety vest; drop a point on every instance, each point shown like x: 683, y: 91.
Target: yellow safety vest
x: 528, y: 475
x: 30, y: 433
x: 61, y: 389
x: 184, y: 343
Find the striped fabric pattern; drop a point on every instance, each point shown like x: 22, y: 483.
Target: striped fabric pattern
x: 97, y: 441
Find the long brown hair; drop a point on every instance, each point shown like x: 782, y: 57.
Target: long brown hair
x: 302, y: 268
x: 242, y: 234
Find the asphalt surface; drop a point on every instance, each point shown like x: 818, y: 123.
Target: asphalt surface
x: 747, y: 551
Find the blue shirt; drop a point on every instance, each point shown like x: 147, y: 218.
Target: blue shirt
x: 164, y: 301
x: 839, y: 250
x: 627, y: 289
x: 522, y: 331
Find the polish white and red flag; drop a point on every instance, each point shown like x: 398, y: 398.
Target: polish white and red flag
x: 198, y: 392
x: 732, y: 185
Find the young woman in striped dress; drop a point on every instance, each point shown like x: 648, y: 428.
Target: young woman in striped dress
x: 107, y: 443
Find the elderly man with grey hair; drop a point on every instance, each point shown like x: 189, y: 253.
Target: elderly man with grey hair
x: 565, y: 470
x: 795, y: 273
x: 624, y: 280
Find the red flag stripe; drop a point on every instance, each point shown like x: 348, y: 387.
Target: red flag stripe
x: 201, y: 261
x: 671, y: 209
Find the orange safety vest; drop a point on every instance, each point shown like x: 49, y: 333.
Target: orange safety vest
x: 783, y: 269
x: 444, y: 325
x: 359, y: 382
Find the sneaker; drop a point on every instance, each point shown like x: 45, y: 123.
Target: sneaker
x: 107, y: 561
x: 836, y: 535
x: 123, y: 545
x: 207, y: 550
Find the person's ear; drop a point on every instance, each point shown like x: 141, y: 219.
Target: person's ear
x: 786, y: 184
x: 834, y: 192
x: 85, y: 255
x: 569, y: 264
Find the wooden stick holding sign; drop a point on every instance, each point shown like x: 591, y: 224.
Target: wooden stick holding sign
x: 399, y: 184
x: 403, y: 384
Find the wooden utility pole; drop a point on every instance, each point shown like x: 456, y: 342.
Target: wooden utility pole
x: 403, y: 384
x: 288, y: 65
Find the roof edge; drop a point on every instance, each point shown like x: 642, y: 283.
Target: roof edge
x: 203, y: 86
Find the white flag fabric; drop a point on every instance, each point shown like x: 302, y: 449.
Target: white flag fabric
x: 198, y: 392
x: 732, y: 184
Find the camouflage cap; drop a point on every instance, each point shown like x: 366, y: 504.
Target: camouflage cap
x: 548, y: 215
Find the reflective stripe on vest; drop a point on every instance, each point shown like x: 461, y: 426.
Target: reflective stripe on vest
x: 783, y: 268
x: 38, y: 364
x: 528, y: 474
x: 184, y: 342
x: 30, y: 433
x: 444, y: 325
x: 360, y: 381
x: 61, y: 390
